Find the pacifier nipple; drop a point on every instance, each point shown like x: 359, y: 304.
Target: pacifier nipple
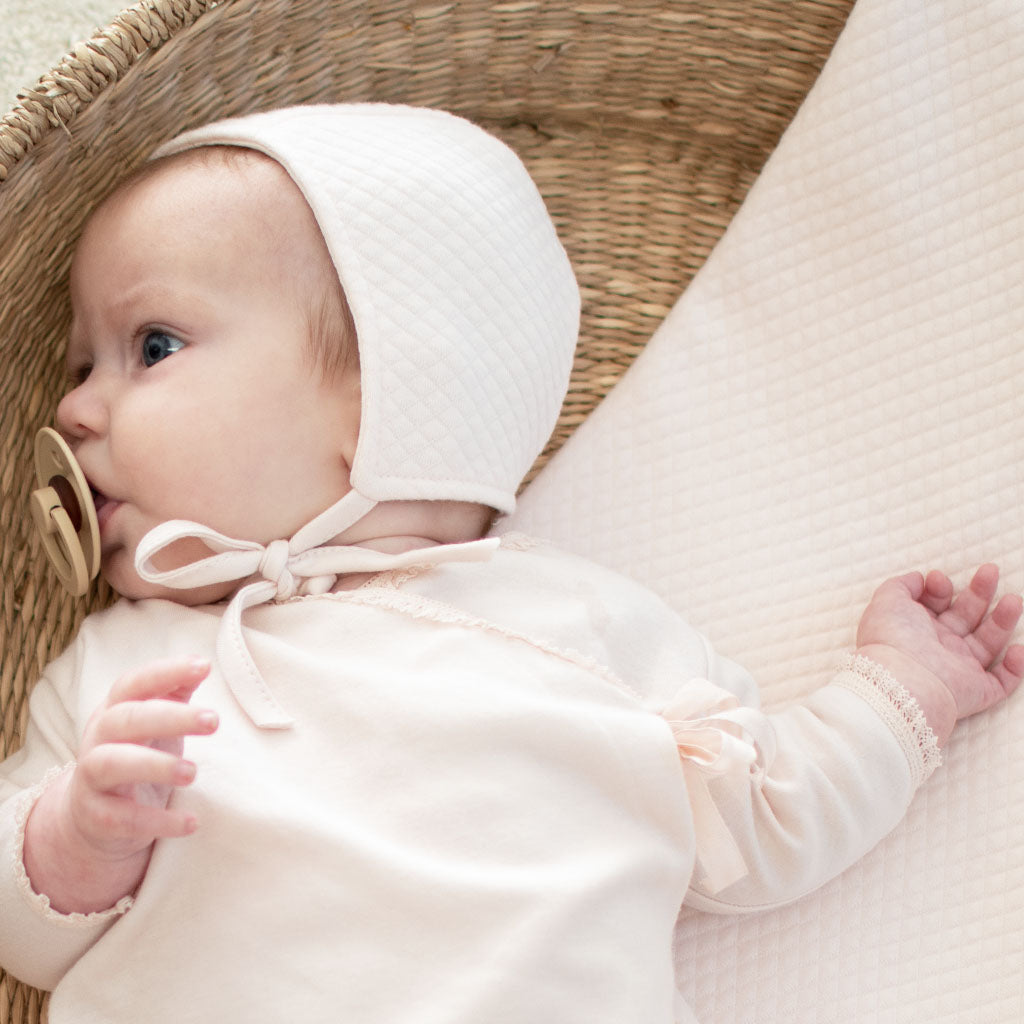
x: 64, y: 513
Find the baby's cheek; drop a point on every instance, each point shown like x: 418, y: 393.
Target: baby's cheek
x: 119, y: 572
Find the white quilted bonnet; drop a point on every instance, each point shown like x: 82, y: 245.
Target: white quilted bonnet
x: 464, y: 301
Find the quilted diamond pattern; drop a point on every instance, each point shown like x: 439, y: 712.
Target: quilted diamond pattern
x: 838, y: 397
x: 464, y: 301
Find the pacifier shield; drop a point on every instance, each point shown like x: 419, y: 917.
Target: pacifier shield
x: 64, y: 513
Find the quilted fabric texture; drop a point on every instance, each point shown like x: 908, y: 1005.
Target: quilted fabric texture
x: 838, y: 397
x: 464, y: 301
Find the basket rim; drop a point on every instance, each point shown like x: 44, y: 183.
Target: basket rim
x: 88, y: 68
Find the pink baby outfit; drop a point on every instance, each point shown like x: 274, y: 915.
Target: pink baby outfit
x: 478, y: 813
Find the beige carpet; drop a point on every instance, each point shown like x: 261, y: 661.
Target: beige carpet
x: 35, y: 34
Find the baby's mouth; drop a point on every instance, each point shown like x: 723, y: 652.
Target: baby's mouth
x: 103, y: 505
x: 98, y: 498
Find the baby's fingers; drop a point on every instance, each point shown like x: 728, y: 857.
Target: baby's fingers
x: 1011, y: 671
x: 146, y: 721
x: 971, y: 604
x: 1004, y: 678
x: 937, y: 593
x: 994, y: 632
x: 171, y: 678
x: 122, y: 820
x: 114, y: 767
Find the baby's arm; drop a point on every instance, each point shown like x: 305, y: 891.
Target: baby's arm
x: 89, y: 836
x: 943, y: 649
x: 835, y: 776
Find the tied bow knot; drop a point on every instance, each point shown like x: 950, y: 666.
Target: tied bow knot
x: 282, y: 569
x: 273, y: 567
x: 716, y: 737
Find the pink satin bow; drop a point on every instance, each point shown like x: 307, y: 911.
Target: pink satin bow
x: 716, y: 736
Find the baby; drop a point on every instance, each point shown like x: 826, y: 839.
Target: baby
x: 431, y: 776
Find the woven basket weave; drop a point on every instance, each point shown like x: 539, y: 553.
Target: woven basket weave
x: 643, y: 123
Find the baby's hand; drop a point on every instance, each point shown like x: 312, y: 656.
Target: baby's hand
x: 945, y: 649
x: 89, y: 836
x: 130, y: 759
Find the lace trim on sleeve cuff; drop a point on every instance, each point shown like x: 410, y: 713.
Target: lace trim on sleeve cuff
x: 39, y: 902
x: 897, y: 708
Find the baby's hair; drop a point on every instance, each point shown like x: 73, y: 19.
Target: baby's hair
x: 332, y: 330
x: 332, y: 344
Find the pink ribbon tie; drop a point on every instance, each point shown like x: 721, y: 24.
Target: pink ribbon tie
x: 715, y: 737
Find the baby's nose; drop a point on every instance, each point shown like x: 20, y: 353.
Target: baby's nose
x: 81, y: 412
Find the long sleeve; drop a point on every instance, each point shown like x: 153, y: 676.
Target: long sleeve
x: 809, y: 790
x: 843, y: 766
x: 37, y: 944
x: 781, y: 801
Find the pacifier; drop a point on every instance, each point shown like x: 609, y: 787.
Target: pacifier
x: 65, y: 514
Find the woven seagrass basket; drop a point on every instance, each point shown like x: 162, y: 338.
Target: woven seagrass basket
x: 643, y: 122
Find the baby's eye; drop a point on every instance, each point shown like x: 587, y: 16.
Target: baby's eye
x: 156, y: 346
x: 78, y: 374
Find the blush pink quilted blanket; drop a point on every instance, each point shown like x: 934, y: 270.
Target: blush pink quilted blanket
x: 838, y: 397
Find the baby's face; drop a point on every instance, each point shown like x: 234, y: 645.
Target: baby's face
x: 194, y: 393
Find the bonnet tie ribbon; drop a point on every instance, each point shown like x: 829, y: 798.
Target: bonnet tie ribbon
x: 304, y: 565
x: 716, y: 736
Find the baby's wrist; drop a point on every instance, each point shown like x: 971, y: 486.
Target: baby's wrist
x: 64, y: 868
x: 932, y: 695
